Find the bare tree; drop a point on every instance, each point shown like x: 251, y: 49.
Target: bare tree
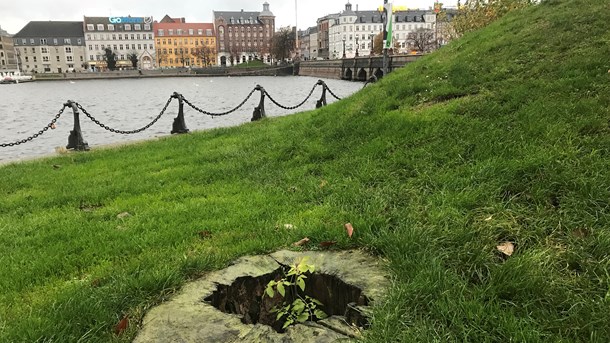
x: 422, y: 40
x: 283, y: 43
x: 206, y: 54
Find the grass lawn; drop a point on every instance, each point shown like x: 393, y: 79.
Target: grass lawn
x: 251, y: 64
x: 502, y: 136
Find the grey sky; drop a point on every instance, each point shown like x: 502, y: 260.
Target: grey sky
x: 14, y: 14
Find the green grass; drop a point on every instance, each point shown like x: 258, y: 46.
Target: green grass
x: 251, y: 64
x: 503, y: 135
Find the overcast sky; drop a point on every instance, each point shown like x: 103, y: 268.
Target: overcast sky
x: 15, y: 14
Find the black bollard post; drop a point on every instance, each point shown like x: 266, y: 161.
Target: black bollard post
x: 259, y: 111
x: 179, y: 123
x: 322, y: 101
x: 75, y: 140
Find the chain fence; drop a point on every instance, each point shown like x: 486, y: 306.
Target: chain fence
x: 51, y: 125
x: 221, y: 113
x: 93, y: 119
x: 77, y: 106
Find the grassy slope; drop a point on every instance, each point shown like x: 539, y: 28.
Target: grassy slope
x: 503, y: 135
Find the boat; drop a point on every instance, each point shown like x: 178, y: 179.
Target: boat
x: 9, y: 76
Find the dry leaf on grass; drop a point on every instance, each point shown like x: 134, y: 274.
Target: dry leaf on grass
x: 350, y: 230
x: 489, y: 218
x: 123, y: 215
x: 121, y: 326
x: 327, y: 244
x: 288, y: 226
x: 301, y: 242
x: 205, y: 234
x: 507, y: 248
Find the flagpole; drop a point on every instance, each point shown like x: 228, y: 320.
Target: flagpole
x: 385, y: 37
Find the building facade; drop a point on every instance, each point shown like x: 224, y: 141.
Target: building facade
x: 8, y: 58
x: 51, y: 47
x: 125, y: 36
x: 182, y: 44
x: 324, y: 25
x: 352, y: 32
x: 308, y: 43
x: 244, y: 36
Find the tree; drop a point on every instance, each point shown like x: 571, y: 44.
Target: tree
x: 475, y: 14
x: 378, y: 45
x: 422, y: 40
x: 110, y: 58
x: 235, y: 52
x: 133, y: 57
x: 162, y: 56
x: 283, y: 43
x: 206, y: 54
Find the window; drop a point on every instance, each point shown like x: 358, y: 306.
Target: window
x: 171, y: 32
x: 139, y: 47
x: 121, y: 47
x: 200, y: 32
x: 179, y: 32
x: 69, y: 58
x: 33, y: 50
x: 137, y: 27
x: 79, y: 41
x: 191, y: 32
x: 67, y: 41
x: 68, y: 50
x: 146, y: 27
x: 31, y: 41
x: 43, y: 41
x: 45, y: 58
x: 57, y: 57
x: 90, y: 27
x: 24, y: 41
x: 44, y: 50
x: 120, y: 36
x: 110, y: 27
x: 100, y: 27
x: 161, y: 32
x: 90, y: 57
x: 127, y: 27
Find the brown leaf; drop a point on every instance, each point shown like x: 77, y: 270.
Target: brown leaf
x: 350, y: 230
x: 301, y: 242
x: 205, y: 234
x: 121, y: 326
x: 507, y: 248
x: 581, y: 233
x: 327, y: 244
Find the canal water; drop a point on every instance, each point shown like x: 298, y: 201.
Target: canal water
x: 129, y: 104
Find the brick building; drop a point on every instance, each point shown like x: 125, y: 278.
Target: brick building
x: 244, y: 36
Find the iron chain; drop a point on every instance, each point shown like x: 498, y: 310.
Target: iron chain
x: 121, y: 131
x: 29, y: 139
x: 293, y: 107
x: 333, y: 94
x: 222, y: 113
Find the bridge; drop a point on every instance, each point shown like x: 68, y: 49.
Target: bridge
x: 353, y: 69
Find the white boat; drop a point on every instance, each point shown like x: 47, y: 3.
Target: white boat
x: 10, y: 76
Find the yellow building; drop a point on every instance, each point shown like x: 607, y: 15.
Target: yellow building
x: 181, y: 45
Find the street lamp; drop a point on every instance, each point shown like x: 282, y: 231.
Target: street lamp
x: 343, y: 46
x: 357, y: 46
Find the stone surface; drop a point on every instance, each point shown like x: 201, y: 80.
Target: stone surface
x: 187, y: 318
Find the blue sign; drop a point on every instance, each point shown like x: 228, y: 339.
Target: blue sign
x: 126, y: 20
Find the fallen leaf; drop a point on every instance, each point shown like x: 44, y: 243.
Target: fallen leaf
x: 121, y: 326
x: 205, y: 234
x: 288, y: 226
x: 350, y: 230
x: 507, y: 248
x: 581, y: 233
x: 123, y: 215
x: 489, y: 218
x: 301, y: 242
x: 327, y: 244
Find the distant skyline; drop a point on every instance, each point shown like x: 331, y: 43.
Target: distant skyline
x: 15, y: 14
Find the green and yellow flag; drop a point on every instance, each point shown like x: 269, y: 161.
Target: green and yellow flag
x: 387, y: 42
